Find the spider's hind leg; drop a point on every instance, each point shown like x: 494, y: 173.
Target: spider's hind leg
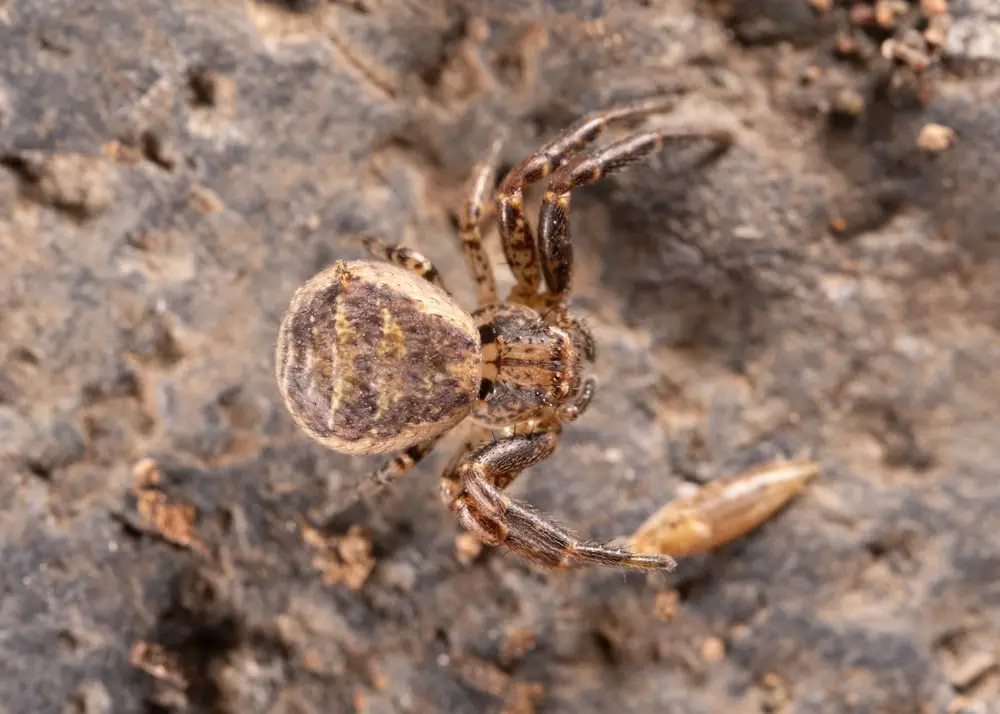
x: 403, y: 257
x: 398, y: 465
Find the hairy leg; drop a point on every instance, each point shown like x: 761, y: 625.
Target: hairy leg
x: 554, y: 246
x: 450, y: 483
x: 470, y: 226
x: 474, y: 492
x: 395, y: 467
x: 515, y: 233
x: 403, y: 257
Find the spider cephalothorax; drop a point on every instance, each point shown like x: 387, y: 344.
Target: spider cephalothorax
x: 374, y: 357
x: 533, y: 367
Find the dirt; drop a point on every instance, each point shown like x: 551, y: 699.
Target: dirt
x: 171, y: 172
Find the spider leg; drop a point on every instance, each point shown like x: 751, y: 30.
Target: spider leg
x: 395, y: 467
x: 575, y: 409
x: 403, y: 257
x: 470, y: 226
x: 474, y: 492
x: 515, y: 233
x: 554, y: 244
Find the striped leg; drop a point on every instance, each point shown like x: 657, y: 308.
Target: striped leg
x: 471, y: 226
x: 515, y: 232
x: 554, y: 244
x: 398, y: 465
x: 403, y: 257
x: 474, y: 491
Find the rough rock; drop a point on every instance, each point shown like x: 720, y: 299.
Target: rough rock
x: 171, y: 172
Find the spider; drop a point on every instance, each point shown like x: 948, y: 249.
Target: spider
x: 376, y: 356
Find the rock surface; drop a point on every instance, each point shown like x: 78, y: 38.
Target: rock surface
x: 170, y: 172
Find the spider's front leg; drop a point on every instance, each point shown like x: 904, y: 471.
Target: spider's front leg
x: 474, y: 491
x: 554, y: 244
x: 515, y: 232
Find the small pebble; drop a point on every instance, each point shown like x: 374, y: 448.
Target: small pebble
x: 665, y: 605
x: 713, y: 649
x: 936, y: 138
x: 467, y: 548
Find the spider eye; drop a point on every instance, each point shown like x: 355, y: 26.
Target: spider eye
x: 485, y: 388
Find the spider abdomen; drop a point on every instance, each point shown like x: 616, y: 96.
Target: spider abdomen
x: 372, y: 358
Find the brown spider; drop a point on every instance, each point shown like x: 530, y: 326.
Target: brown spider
x: 375, y: 357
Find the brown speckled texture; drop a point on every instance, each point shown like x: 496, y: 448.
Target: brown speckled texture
x: 170, y: 173
x: 372, y: 358
x: 533, y: 366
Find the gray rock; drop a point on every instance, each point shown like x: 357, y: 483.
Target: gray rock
x: 171, y: 172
